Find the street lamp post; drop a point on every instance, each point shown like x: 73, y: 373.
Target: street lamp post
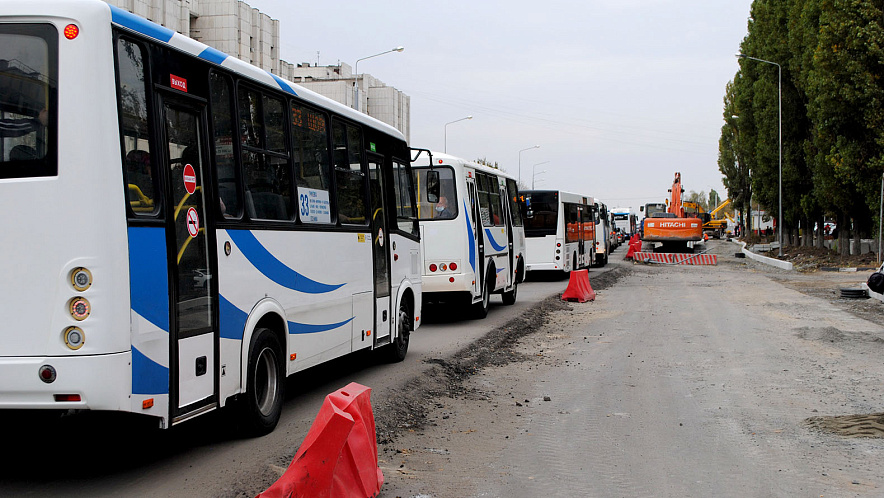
x: 520, y: 160
x: 533, y: 174
x: 446, y: 131
x: 780, y: 99
x: 356, y: 72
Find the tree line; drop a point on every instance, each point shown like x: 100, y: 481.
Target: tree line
x: 831, y: 53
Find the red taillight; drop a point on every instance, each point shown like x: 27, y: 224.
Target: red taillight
x: 47, y: 374
x: 71, y: 31
x: 453, y: 266
x: 559, y: 244
x: 451, y: 279
x: 67, y: 397
x: 432, y: 267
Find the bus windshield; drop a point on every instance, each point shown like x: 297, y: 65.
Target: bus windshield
x: 446, y: 208
x: 541, y: 211
x: 28, y: 64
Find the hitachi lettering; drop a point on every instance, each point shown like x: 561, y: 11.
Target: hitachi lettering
x: 672, y: 224
x: 178, y: 83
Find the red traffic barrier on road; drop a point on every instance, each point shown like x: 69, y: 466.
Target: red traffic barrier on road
x: 339, y: 456
x: 579, y: 289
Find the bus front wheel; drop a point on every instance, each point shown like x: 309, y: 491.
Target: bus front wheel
x: 265, y: 388
x: 480, y: 309
x: 399, y: 347
x: 509, y: 298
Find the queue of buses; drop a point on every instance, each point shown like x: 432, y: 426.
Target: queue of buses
x: 198, y: 229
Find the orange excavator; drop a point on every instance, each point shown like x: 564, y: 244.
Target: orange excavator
x: 674, y: 229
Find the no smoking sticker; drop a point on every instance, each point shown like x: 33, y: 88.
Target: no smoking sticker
x: 193, y: 222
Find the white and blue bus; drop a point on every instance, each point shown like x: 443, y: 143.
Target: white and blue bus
x: 559, y: 230
x: 188, y: 229
x: 472, y: 237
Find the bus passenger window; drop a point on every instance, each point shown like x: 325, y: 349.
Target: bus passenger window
x: 139, y: 171
x: 312, y: 166
x: 225, y: 161
x: 350, y: 178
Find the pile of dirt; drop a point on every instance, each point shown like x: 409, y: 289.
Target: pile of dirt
x: 814, y: 258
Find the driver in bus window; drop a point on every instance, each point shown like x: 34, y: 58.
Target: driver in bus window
x: 442, y: 208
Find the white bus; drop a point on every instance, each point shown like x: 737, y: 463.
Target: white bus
x: 184, y: 230
x: 472, y: 237
x: 559, y: 230
x: 625, y: 219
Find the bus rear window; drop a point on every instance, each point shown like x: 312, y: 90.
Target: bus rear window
x: 28, y: 89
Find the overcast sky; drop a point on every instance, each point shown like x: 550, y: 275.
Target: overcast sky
x: 619, y: 94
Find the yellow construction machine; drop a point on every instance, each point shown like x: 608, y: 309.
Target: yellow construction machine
x: 716, y: 225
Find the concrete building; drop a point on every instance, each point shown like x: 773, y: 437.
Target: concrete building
x: 236, y: 28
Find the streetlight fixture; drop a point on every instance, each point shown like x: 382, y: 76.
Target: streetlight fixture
x: 780, y: 99
x: 356, y: 71
x: 520, y: 160
x: 533, y: 174
x: 446, y: 131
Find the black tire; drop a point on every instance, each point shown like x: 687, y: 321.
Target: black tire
x: 397, y: 349
x: 480, y: 309
x: 509, y: 298
x: 265, y: 388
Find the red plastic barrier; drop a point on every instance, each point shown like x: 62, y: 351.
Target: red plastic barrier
x: 339, y: 456
x: 631, y: 252
x: 578, y: 288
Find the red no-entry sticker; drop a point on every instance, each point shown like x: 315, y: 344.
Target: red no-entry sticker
x: 189, y: 179
x: 193, y: 222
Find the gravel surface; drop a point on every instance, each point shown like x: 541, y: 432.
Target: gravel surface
x: 734, y: 380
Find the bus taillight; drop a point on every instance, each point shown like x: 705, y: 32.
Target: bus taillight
x: 71, y: 31
x: 433, y: 267
x: 452, y: 266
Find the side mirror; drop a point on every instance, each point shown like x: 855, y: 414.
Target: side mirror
x: 641, y: 209
x: 433, y: 187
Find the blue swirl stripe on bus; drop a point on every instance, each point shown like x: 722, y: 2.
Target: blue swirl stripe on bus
x: 148, y: 376
x: 275, y: 269
x: 233, y: 320
x: 470, y: 238
x: 282, y: 84
x: 140, y: 25
x: 306, y: 328
x: 213, y: 55
x: 149, y: 275
x: 494, y: 244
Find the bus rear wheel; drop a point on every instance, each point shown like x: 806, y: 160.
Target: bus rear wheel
x: 265, y: 388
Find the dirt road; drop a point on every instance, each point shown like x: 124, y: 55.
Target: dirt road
x: 734, y: 380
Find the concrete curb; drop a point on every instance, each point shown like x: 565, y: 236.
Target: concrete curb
x: 784, y: 265
x: 870, y: 268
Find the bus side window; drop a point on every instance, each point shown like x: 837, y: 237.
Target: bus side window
x: 312, y: 165
x: 141, y: 180
x: 350, y: 178
x: 406, y: 211
x: 225, y: 161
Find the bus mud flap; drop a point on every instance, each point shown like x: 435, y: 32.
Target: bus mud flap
x: 339, y: 455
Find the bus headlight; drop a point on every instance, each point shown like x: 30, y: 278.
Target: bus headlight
x: 81, y: 278
x: 74, y: 338
x: 79, y: 308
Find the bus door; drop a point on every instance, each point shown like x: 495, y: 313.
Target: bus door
x: 193, y: 332
x: 475, y: 220
x: 581, y: 237
x: 505, y: 201
x: 380, y: 249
